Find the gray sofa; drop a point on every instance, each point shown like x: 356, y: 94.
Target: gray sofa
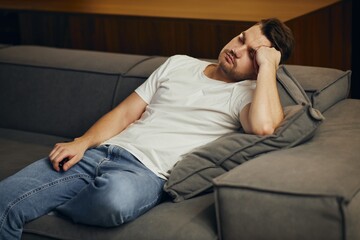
x: 309, y: 191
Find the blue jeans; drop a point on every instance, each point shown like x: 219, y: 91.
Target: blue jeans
x: 108, y: 187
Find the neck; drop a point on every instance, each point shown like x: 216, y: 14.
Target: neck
x: 213, y: 71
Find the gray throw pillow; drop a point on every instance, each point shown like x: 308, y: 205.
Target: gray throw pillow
x: 194, y: 173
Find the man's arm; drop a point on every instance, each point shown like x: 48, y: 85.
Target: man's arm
x: 263, y: 115
x: 106, y: 127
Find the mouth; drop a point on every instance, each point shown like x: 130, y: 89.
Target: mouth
x: 229, y: 57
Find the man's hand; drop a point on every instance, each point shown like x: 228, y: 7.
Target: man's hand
x: 266, y: 55
x: 73, y: 151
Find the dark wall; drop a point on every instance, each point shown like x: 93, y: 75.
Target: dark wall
x: 9, y: 27
x: 355, y: 84
x: 323, y: 37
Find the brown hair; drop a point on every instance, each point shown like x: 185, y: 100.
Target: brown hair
x: 279, y: 35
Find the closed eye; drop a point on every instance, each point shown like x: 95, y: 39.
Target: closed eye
x: 242, y: 39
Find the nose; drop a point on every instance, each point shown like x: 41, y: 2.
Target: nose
x: 237, y: 51
x: 233, y: 52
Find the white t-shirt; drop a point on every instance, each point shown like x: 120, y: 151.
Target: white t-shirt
x: 185, y: 110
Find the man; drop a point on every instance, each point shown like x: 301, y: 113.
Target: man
x: 116, y: 170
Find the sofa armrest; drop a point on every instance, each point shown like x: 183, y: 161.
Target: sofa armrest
x: 308, y: 192
x: 251, y: 211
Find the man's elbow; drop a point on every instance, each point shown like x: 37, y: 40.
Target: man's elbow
x: 267, y: 126
x: 264, y: 130
x: 263, y: 127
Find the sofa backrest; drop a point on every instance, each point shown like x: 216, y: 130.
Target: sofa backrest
x: 63, y: 92
x: 324, y: 86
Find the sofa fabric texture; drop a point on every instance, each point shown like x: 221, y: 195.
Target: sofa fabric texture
x: 309, y: 189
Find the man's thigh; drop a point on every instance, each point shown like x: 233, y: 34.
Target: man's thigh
x: 123, y: 190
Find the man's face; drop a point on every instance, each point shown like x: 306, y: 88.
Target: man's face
x: 237, y: 58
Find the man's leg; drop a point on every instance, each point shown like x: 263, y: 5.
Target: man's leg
x: 38, y: 189
x: 122, y: 190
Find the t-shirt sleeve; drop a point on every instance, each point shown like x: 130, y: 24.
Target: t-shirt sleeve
x: 147, y: 90
x: 243, y: 95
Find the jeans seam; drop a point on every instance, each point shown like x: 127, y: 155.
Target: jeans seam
x: 99, y: 165
x: 140, y: 210
x: 152, y: 203
x: 36, y: 190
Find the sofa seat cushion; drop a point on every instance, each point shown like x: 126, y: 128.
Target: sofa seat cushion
x: 311, y: 191
x: 190, y: 220
x: 19, y: 149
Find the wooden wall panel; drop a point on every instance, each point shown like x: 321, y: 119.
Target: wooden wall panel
x: 240, y: 10
x: 323, y: 38
x: 138, y: 35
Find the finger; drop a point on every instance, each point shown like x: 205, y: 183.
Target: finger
x: 59, y: 158
x: 70, y: 163
x: 53, y: 156
x: 55, y: 151
x: 52, y: 153
x: 59, y: 155
x: 55, y: 165
x: 62, y: 163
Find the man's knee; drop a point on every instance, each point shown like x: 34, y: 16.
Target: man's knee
x: 112, y: 213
